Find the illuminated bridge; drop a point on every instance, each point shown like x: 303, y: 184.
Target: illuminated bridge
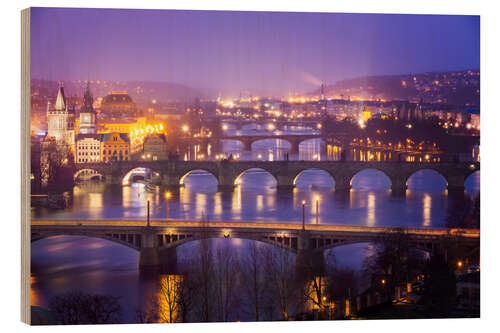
x: 227, y: 173
x: 247, y: 140
x: 157, y: 241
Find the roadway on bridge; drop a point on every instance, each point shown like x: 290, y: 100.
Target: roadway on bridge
x: 469, y: 233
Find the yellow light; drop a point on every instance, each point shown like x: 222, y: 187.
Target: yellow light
x: 168, y: 195
x: 317, y: 198
x: 459, y: 264
x: 185, y: 128
x: 319, y: 126
x: 224, y: 127
x: 383, y: 281
x: 303, y: 202
x: 226, y: 234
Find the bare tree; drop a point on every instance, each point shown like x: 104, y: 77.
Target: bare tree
x: 226, y: 273
x: 393, y: 263
x: 78, y: 308
x: 254, y: 282
x: 280, y: 272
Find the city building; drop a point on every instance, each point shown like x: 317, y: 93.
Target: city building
x: 122, y: 126
x: 87, y: 123
x: 115, y: 147
x: 61, y: 119
x: 155, y: 147
x: 88, y: 148
x: 118, y: 104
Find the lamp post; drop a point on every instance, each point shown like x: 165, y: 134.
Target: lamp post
x: 317, y: 210
x: 148, y: 215
x: 168, y: 195
x: 303, y: 215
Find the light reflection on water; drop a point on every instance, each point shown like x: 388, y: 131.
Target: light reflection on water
x: 66, y: 263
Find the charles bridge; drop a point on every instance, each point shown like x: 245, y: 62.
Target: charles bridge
x: 173, y: 172
x: 157, y: 241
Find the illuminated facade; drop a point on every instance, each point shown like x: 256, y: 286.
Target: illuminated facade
x: 87, y: 114
x: 88, y: 148
x: 115, y: 147
x: 118, y: 104
x: 155, y: 147
x: 61, y: 119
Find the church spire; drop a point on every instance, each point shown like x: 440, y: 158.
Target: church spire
x: 88, y: 99
x: 61, y: 99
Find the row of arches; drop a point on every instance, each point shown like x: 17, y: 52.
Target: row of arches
x: 265, y: 143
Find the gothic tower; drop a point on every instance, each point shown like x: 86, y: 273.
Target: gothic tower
x: 61, y: 119
x: 87, y: 113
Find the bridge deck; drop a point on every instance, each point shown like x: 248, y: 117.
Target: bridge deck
x: 256, y: 226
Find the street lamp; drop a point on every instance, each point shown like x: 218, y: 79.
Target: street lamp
x: 185, y: 128
x: 303, y: 215
x: 317, y: 209
x: 168, y: 195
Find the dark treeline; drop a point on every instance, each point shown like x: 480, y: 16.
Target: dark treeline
x: 427, y: 132
x: 259, y: 283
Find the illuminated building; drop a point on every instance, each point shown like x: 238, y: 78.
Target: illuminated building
x: 87, y: 114
x: 123, y: 126
x: 118, y: 104
x: 88, y: 148
x: 61, y: 119
x: 155, y: 147
x: 366, y: 114
x: 115, y: 147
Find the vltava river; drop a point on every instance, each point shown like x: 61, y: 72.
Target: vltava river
x: 66, y: 263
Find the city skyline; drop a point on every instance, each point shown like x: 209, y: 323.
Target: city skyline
x: 267, y: 53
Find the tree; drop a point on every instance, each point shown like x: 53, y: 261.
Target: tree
x: 226, y: 282
x: 439, y: 287
x: 280, y: 272
x: 58, y: 165
x: 75, y: 308
x: 254, y: 281
x: 393, y: 263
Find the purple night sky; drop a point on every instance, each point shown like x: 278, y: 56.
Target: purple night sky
x: 260, y: 52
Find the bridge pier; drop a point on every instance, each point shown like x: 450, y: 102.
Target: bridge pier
x: 398, y: 186
x: 285, y: 183
x: 294, y: 146
x: 170, y: 181
x: 456, y: 184
x: 247, y: 145
x: 309, y: 263
x: 155, y: 259
x: 342, y: 183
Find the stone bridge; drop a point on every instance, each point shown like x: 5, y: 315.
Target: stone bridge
x: 239, y: 123
x: 227, y: 173
x: 157, y: 240
x: 247, y: 140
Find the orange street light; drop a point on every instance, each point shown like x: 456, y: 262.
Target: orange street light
x: 168, y: 195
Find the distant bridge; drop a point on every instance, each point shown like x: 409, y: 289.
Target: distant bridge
x: 157, y: 242
x: 227, y: 173
x: 247, y: 140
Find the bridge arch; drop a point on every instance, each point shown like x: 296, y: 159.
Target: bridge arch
x: 277, y: 142
x: 240, y: 144
x: 140, y: 173
x: 319, y: 178
x: 130, y: 240
x: 472, y: 182
x: 379, y: 179
x: 432, y: 180
x: 200, y: 172
x: 238, y: 179
x: 280, y: 240
x: 88, y: 174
